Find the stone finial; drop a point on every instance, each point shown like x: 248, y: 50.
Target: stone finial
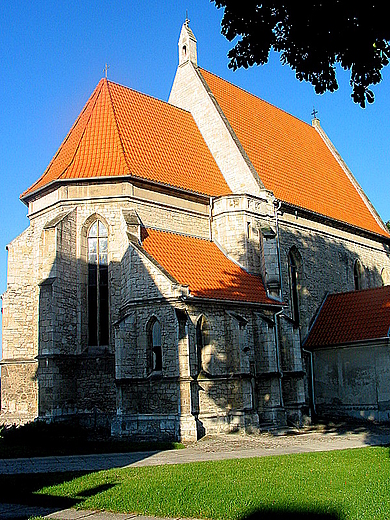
x: 187, y: 45
x: 133, y: 224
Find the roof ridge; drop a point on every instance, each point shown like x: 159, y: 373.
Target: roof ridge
x: 85, y: 127
x: 117, y: 126
x: 179, y: 233
x: 257, y: 97
x: 358, y: 291
x: 95, y: 95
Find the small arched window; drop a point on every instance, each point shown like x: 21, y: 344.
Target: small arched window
x: 154, y: 346
x: 358, y: 275
x: 202, y: 340
x: 97, y: 285
x: 294, y: 261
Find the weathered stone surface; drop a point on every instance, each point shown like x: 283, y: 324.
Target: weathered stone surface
x: 225, y: 365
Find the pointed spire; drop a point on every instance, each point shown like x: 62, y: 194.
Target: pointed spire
x: 187, y: 44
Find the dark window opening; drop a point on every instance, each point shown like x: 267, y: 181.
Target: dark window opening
x: 357, y: 275
x: 294, y: 287
x: 202, y: 340
x: 97, y: 285
x: 155, y: 350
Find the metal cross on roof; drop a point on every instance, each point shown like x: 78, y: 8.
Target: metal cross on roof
x: 105, y: 70
x: 314, y: 113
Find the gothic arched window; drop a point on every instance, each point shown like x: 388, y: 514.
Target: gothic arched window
x: 154, y: 345
x: 97, y: 285
x: 294, y: 261
x: 202, y: 340
x: 357, y: 275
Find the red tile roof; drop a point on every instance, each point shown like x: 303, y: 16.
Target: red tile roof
x: 290, y: 157
x: 121, y: 132
x: 202, y: 266
x: 351, y: 316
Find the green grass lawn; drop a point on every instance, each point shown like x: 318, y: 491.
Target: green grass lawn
x: 343, y: 485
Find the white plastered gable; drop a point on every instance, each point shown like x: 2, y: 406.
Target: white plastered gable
x: 190, y: 92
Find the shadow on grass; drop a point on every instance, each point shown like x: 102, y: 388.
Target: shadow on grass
x: 272, y: 514
x: 23, y: 490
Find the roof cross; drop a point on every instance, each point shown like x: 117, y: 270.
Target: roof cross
x: 314, y: 113
x: 105, y: 70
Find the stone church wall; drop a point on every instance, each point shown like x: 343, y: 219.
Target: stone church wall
x: 353, y: 380
x: 45, y: 305
x: 252, y: 369
x: 19, y: 386
x: 327, y: 263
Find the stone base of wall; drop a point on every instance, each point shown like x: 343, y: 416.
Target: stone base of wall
x: 273, y: 415
x: 185, y: 428
x: 142, y: 427
x: 152, y: 427
x: 245, y: 422
x: 18, y: 419
x: 297, y: 415
x: 189, y: 428
x: 91, y: 419
x: 369, y: 413
x: 19, y: 392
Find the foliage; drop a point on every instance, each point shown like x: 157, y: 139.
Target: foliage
x: 348, y: 484
x: 312, y: 37
x: 388, y: 225
x: 41, y: 433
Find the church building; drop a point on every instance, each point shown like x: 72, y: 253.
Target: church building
x: 176, y: 256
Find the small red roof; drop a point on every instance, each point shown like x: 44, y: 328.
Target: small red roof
x: 351, y: 316
x: 290, y: 157
x: 201, y: 265
x: 121, y: 132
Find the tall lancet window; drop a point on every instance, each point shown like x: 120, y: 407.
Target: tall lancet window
x: 294, y: 263
x: 97, y: 285
x: 202, y: 341
x: 358, y: 275
x: 154, y: 346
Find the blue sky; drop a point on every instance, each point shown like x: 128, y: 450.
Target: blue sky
x: 52, y: 55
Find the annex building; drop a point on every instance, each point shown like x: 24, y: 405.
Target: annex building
x: 176, y: 256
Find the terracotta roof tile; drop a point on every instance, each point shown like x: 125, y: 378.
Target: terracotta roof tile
x: 351, y: 316
x: 123, y: 132
x: 202, y: 266
x: 290, y: 157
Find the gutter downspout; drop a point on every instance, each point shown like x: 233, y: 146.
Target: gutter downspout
x: 277, y: 206
x: 278, y: 364
x: 312, y: 379
x: 210, y: 218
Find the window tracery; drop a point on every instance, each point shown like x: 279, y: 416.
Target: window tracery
x: 97, y: 284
